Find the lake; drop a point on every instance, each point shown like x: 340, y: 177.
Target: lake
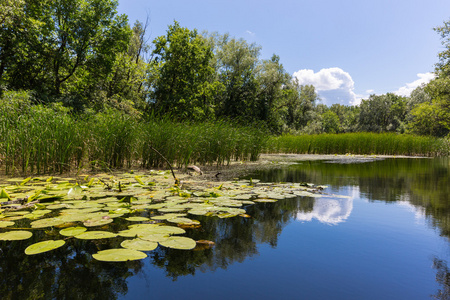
x: 384, y: 235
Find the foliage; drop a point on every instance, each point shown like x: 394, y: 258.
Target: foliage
x: 359, y: 143
x: 50, y: 138
x: 382, y: 113
x: 180, y: 71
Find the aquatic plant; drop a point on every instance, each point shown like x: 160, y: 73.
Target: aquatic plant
x: 142, y: 214
x: 359, y: 143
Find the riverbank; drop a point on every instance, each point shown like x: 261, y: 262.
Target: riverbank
x: 271, y: 161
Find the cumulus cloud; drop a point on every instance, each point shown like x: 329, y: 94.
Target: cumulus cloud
x: 406, y: 90
x: 333, y: 85
x: 328, y: 211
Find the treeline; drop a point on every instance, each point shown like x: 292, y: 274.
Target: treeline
x: 83, y: 54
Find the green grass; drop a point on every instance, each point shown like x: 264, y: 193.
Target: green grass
x: 360, y: 143
x: 45, y: 139
x: 40, y: 139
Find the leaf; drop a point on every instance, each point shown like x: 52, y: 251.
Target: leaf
x: 179, y: 242
x: 75, y: 191
x: 25, y: 181
x: 138, y: 180
x: 4, y: 194
x: 4, y: 224
x: 98, y: 221
x: 72, y: 231
x: 118, y: 255
x: 44, y: 246
x: 137, y: 219
x: 139, y: 244
x: 15, y: 235
x: 95, y: 235
x: 48, y: 222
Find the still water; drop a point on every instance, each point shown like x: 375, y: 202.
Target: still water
x: 388, y: 239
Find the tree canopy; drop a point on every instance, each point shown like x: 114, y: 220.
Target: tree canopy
x: 85, y: 55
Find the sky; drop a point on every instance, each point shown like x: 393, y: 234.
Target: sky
x: 347, y: 49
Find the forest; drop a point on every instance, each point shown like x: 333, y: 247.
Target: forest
x: 80, y: 59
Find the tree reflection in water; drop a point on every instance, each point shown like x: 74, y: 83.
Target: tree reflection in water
x: 443, y: 278
x: 71, y: 273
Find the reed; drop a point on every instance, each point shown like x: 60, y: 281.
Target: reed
x: 360, y: 143
x: 47, y: 139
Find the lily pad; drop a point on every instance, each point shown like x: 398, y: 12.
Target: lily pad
x: 98, y: 221
x: 137, y: 219
x: 48, y: 222
x: 153, y: 237
x: 95, y: 235
x: 117, y: 255
x: 72, y: 231
x: 15, y: 235
x: 44, y: 246
x: 180, y: 220
x: 4, y: 224
x: 179, y: 242
x: 139, y: 244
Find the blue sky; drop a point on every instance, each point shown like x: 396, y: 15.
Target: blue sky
x: 348, y: 49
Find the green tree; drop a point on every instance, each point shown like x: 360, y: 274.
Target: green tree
x: 61, y: 43
x: 236, y: 66
x: 271, y: 78
x: 123, y: 87
x: 382, y: 113
x: 330, y: 122
x: 181, y: 73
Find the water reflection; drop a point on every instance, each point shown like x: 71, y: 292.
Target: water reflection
x: 328, y: 211
x: 424, y: 183
x: 71, y: 273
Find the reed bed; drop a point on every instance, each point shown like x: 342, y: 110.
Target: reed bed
x: 360, y: 143
x: 47, y: 139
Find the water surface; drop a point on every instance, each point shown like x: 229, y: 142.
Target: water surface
x: 388, y: 238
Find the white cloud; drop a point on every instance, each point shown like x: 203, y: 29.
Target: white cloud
x: 333, y: 85
x: 249, y: 32
x: 406, y: 90
x: 328, y: 211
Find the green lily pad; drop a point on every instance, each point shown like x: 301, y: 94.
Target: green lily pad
x: 4, y: 224
x: 137, y: 219
x: 95, y: 235
x: 139, y: 244
x: 185, y: 221
x: 167, y: 216
x: 44, y: 246
x: 98, y: 221
x: 118, y: 255
x: 15, y: 235
x: 72, y: 231
x: 48, y: 222
x: 167, y: 230
x: 153, y: 237
x: 179, y: 242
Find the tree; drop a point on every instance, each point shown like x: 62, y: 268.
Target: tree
x: 382, y: 113
x: 330, y: 122
x: 180, y: 74
x: 271, y: 78
x: 62, y: 42
x: 433, y: 117
x: 236, y: 66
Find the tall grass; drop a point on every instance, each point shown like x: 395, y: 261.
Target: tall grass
x: 42, y: 139
x: 360, y: 143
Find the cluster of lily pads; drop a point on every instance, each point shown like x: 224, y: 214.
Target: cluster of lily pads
x: 158, y: 211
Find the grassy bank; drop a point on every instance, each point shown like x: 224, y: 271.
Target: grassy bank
x: 360, y: 143
x: 42, y: 139
x: 38, y: 139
